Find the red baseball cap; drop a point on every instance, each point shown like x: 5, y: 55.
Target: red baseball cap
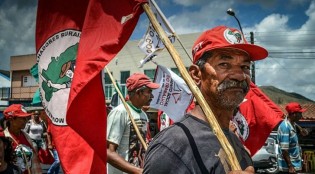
x: 224, y: 37
x: 15, y: 110
x: 138, y: 80
x: 294, y: 107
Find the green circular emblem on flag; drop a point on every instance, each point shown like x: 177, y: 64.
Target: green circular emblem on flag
x: 56, y: 63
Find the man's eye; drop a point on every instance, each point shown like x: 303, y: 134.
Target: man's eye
x: 246, y: 67
x: 224, y: 65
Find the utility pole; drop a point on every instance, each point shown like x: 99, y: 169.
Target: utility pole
x: 232, y: 13
x: 253, y: 63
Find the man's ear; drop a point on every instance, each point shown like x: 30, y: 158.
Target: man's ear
x: 195, y: 74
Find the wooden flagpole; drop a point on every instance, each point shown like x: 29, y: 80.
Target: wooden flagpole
x: 144, y: 145
x: 231, y: 157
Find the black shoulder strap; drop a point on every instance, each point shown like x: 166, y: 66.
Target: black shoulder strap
x: 28, y: 126
x: 194, y: 148
x: 43, y: 125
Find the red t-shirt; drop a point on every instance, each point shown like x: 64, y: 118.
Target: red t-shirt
x: 21, y: 139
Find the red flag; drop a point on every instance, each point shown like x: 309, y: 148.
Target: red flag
x: 163, y: 120
x: 261, y: 114
x: 102, y: 28
x: 107, y: 27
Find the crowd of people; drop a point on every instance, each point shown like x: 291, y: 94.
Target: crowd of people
x: 23, y: 136
x: 221, y: 70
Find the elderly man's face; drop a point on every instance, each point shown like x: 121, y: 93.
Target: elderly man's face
x: 225, y: 78
x: 145, y: 96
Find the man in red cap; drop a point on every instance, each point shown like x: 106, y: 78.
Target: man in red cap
x: 122, y: 141
x: 289, y: 159
x: 221, y: 70
x: 15, y: 118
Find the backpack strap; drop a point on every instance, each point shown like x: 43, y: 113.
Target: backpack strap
x: 28, y: 126
x: 43, y: 125
x: 194, y: 148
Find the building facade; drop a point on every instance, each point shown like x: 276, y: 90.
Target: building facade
x: 5, y: 86
x: 23, y: 84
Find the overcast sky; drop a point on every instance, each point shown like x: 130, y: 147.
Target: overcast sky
x: 286, y: 28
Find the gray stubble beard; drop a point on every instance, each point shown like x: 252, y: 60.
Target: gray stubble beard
x: 231, y: 102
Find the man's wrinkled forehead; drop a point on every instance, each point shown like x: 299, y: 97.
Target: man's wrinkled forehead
x: 229, y: 53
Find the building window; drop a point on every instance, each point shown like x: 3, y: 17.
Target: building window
x: 150, y: 73
x: 108, y: 86
x: 107, y: 78
x: 123, y: 78
x: 29, y: 81
x: 4, y: 93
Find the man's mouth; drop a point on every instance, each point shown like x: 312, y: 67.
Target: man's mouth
x: 235, y: 89
x: 232, y: 85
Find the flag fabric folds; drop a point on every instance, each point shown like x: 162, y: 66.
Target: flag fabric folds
x: 58, y: 31
x: 74, y: 43
x: 173, y: 93
x: 256, y: 118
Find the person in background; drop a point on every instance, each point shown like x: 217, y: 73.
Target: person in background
x: 289, y: 158
x: 55, y: 167
x: 7, y: 156
x: 37, y: 130
x: 14, y: 121
x: 123, y: 144
x: 222, y: 59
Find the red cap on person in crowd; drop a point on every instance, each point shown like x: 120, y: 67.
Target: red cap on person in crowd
x: 15, y: 110
x: 138, y: 80
x: 224, y: 37
x: 294, y: 107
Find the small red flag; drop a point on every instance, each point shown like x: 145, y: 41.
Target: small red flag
x: 257, y: 117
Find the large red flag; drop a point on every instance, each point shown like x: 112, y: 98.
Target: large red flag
x: 257, y: 117
x: 107, y: 27
x: 75, y: 39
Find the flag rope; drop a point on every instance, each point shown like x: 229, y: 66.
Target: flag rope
x: 127, y: 109
x: 232, y: 160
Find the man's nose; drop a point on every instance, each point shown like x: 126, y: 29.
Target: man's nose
x: 238, y: 74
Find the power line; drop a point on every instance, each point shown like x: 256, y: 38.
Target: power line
x: 282, y: 52
x: 300, y: 58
